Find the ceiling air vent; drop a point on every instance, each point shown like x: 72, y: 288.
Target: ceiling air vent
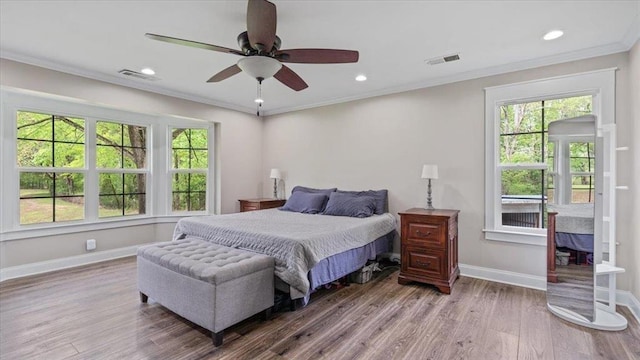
x: 442, y: 59
x: 138, y: 75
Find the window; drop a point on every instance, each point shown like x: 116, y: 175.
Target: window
x: 51, y: 162
x: 71, y: 166
x: 121, y: 157
x: 189, y: 167
x: 519, y: 158
x: 526, y: 156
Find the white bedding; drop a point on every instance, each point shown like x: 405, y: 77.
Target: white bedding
x: 297, y: 241
x: 573, y: 218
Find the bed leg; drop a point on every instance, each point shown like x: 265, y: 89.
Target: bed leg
x: 143, y: 298
x: 217, y: 338
x: 266, y: 314
x: 296, y: 304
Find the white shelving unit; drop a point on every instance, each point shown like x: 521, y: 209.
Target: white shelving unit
x: 606, y: 317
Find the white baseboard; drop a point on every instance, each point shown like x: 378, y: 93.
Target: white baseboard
x: 505, y: 277
x: 624, y: 298
x: 14, y: 272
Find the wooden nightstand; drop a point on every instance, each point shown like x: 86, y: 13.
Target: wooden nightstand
x: 429, y: 247
x: 260, y: 204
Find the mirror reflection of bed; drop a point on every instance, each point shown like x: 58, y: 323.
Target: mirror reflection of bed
x: 570, y: 222
x: 572, y: 241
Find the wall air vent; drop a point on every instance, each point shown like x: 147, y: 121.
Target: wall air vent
x: 442, y: 59
x: 138, y: 75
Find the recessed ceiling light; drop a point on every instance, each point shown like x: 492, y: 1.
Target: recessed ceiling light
x: 148, y: 71
x: 553, y: 34
x: 361, y: 77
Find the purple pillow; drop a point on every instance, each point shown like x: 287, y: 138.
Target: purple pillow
x: 304, y: 202
x: 326, y: 192
x: 346, y: 204
x: 380, y: 197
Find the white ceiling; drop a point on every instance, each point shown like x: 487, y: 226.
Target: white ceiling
x: 98, y: 38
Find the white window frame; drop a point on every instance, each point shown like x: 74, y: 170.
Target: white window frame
x: 209, y: 171
x: 600, y: 84
x: 13, y: 100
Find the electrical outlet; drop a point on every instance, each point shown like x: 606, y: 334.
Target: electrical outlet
x: 91, y: 244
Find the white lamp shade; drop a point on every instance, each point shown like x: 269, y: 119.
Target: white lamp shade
x: 262, y: 67
x: 275, y: 174
x: 430, y: 171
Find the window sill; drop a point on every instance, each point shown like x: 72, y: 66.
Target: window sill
x: 515, y: 237
x: 41, y: 231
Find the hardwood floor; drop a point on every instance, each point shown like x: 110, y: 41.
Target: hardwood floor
x: 94, y: 312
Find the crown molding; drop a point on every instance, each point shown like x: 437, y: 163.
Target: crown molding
x: 9, y: 55
x: 629, y: 40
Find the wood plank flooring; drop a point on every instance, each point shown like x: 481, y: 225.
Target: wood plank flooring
x: 94, y: 312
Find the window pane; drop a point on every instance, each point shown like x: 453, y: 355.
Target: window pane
x: 121, y: 146
x: 199, y: 159
x: 110, y: 205
x: 522, y: 199
x: 189, y: 149
x: 582, y: 189
x: 67, y: 129
x: 34, y: 126
x: 108, y: 133
x: 34, y: 153
x: 189, y: 192
x: 108, y: 157
x: 68, y: 155
x: 523, y: 148
x: 49, y: 141
x: 51, y: 197
x: 566, y: 108
x: 122, y: 194
x: 135, y: 136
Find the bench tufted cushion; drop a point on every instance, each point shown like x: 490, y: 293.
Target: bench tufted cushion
x: 205, y: 261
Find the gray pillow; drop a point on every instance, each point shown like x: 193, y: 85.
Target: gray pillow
x: 312, y: 190
x: 304, y: 202
x: 345, y: 204
x: 380, y: 197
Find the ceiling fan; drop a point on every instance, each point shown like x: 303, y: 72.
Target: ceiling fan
x: 260, y: 49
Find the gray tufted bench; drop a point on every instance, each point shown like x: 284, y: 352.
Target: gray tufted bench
x: 211, y: 285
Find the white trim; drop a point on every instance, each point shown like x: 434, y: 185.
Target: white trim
x: 85, y: 227
x: 599, y: 83
x: 19, y: 271
x: 505, y: 277
x: 614, y: 48
x: 624, y: 298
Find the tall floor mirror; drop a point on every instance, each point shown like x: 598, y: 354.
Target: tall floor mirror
x: 579, y: 223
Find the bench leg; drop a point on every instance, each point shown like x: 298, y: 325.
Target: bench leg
x: 217, y: 338
x: 143, y: 298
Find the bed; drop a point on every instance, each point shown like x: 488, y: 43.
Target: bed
x: 568, y: 226
x: 310, y: 249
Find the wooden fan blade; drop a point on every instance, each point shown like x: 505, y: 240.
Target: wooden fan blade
x: 317, y: 56
x: 194, y: 44
x: 290, y: 78
x: 224, y: 74
x: 261, y: 24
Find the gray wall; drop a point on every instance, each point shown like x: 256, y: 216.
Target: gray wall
x: 383, y: 142
x: 240, y: 156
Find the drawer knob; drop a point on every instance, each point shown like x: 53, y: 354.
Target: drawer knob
x: 420, y: 233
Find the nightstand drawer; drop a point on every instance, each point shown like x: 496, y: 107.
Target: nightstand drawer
x: 424, y: 262
x: 425, y: 232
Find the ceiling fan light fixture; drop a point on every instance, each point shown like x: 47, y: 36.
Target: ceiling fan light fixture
x: 258, y: 100
x: 148, y: 71
x: 259, y: 66
x: 553, y: 34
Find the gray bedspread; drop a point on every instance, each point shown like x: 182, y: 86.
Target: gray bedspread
x: 296, y: 241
